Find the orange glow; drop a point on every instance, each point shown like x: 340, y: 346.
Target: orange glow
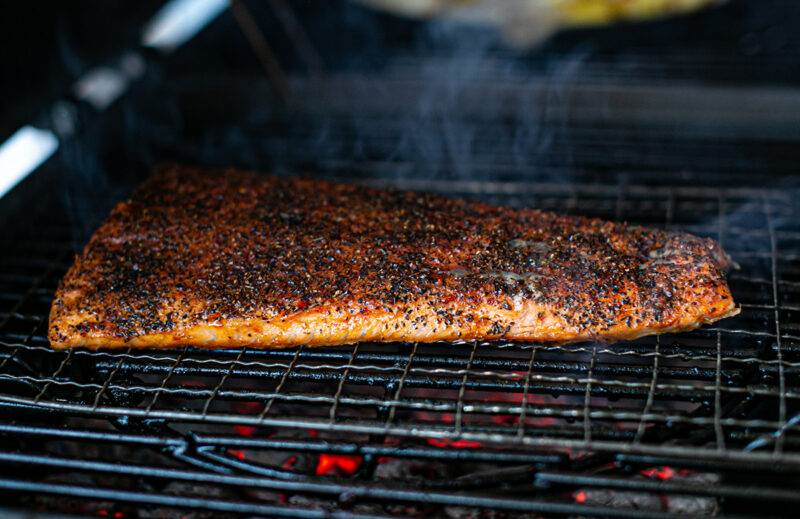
x: 333, y: 465
x: 517, y: 375
x: 239, y: 454
x: 580, y: 497
x: 458, y: 444
x: 245, y: 430
x: 248, y: 407
x: 662, y: 473
x: 505, y: 419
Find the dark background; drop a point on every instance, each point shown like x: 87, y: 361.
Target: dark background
x: 46, y: 46
x: 705, y: 99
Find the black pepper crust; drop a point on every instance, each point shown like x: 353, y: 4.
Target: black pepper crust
x: 197, y: 247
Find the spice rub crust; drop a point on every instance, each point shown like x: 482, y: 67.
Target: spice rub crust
x: 230, y: 258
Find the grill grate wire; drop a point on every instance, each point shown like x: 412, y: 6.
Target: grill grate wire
x: 725, y: 394
x: 582, y: 430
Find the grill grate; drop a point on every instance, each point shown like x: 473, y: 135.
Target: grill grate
x: 722, y: 400
x: 642, y: 123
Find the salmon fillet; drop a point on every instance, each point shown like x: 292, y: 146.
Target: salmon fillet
x: 218, y: 259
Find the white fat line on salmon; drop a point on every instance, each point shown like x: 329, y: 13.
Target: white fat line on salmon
x: 536, y: 246
x: 664, y: 256
x: 510, y: 278
x: 291, y: 337
x: 504, y: 275
x: 332, y: 330
x: 309, y: 339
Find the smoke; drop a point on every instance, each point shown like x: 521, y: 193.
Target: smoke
x: 461, y: 104
x: 440, y: 100
x: 408, y: 104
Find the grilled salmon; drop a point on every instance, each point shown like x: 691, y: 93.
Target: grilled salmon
x: 216, y: 259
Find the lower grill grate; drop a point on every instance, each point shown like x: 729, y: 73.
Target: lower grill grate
x: 702, y: 423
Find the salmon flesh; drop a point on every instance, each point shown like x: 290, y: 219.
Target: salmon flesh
x: 220, y: 259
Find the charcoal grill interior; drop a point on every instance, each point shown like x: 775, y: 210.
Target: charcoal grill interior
x: 700, y: 424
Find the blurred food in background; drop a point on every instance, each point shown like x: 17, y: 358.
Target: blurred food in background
x: 525, y: 22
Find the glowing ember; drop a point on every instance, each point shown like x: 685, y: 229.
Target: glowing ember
x: 335, y: 465
x: 458, y: 444
x: 662, y: 473
x: 238, y: 453
x: 518, y: 375
x: 580, y: 497
x: 245, y: 430
x: 505, y: 419
x: 248, y: 407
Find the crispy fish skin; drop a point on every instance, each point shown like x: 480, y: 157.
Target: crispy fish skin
x: 217, y: 259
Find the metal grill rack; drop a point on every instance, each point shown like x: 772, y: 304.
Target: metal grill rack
x: 687, y: 425
x: 536, y: 425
